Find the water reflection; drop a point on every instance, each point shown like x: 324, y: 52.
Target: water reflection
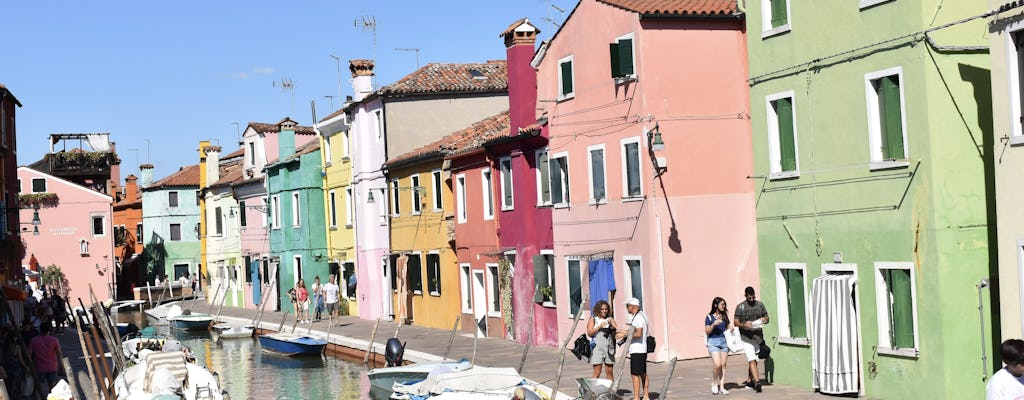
x: 246, y: 372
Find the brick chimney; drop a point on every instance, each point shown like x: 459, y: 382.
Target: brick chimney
x: 522, y: 77
x: 131, y: 188
x: 362, y: 78
x: 146, y: 170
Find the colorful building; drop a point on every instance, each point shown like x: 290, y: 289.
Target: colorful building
x: 339, y: 200
x: 11, y: 274
x: 873, y: 155
x: 228, y: 269
x: 170, y: 223
x: 74, y: 233
x: 128, y: 242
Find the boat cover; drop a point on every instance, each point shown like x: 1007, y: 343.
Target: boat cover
x: 476, y: 379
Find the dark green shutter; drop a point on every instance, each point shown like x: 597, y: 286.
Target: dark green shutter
x: 506, y: 182
x: 415, y: 273
x: 613, y: 51
x: 394, y: 272
x: 545, y: 176
x: 566, y: 77
x: 901, y: 306
x: 891, y: 118
x: 633, y: 169
x: 575, y: 287
x: 557, y: 189
x: 779, y: 17
x: 787, y: 141
x: 540, y: 276
x: 797, y: 311
x: 626, y: 57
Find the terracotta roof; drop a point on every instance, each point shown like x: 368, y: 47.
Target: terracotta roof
x: 233, y: 154
x: 229, y: 174
x: 299, y: 152
x: 458, y: 142
x: 514, y: 26
x: 186, y: 176
x: 676, y: 7
x: 445, y: 78
x: 262, y: 127
x: 333, y: 114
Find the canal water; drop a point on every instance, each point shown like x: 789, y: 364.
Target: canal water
x: 247, y: 372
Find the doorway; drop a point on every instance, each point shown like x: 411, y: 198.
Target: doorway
x: 479, y: 303
x: 836, y: 363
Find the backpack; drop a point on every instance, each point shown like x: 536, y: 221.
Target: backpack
x: 581, y: 347
x: 651, y: 343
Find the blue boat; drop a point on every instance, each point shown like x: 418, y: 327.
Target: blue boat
x: 292, y: 345
x: 190, y: 322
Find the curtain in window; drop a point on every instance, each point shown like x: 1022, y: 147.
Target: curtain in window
x: 601, y: 274
x: 834, y: 345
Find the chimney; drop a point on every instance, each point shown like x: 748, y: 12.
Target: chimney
x: 115, y: 170
x: 522, y: 77
x: 146, y: 170
x: 131, y: 188
x: 286, y: 139
x: 212, y: 164
x: 362, y: 78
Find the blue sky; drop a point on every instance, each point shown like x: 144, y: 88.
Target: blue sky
x: 175, y: 73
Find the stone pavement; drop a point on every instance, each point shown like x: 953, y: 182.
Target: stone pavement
x: 690, y: 380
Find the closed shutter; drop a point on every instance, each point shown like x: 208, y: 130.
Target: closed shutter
x: 892, y: 118
x: 613, y: 51
x: 787, y: 141
x: 597, y: 173
x: 540, y: 276
x: 797, y: 317
x: 545, y: 177
x: 632, y: 169
x: 779, y: 17
x: 558, y: 188
x: 506, y: 182
x: 394, y: 271
x: 626, y: 57
x: 575, y: 287
x: 415, y: 273
x: 901, y: 306
x: 566, y: 77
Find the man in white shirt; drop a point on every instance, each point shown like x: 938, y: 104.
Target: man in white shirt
x: 331, y: 291
x: 1008, y: 382
x: 638, y: 350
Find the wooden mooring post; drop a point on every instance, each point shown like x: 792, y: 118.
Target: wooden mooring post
x: 451, y: 336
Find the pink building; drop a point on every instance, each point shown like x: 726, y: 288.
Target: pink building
x: 648, y: 163
x: 75, y: 234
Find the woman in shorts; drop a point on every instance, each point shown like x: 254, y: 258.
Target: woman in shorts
x: 715, y: 325
x: 601, y: 328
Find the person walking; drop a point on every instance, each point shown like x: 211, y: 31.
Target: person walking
x: 601, y: 327
x: 331, y: 291
x: 1008, y: 382
x: 637, y: 349
x: 44, y: 350
x: 715, y: 325
x: 751, y: 316
x: 318, y: 297
x: 302, y: 295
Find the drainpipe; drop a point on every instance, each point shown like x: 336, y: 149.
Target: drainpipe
x: 981, y: 313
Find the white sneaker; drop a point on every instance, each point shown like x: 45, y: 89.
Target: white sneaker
x: 722, y: 390
x: 714, y: 389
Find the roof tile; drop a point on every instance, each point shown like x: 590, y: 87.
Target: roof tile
x: 461, y: 141
x: 445, y: 78
x: 261, y: 127
x: 186, y: 176
x: 676, y: 7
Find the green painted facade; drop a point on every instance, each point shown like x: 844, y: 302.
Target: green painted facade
x: 921, y: 206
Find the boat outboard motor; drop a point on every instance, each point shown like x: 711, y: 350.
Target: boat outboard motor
x: 393, y: 351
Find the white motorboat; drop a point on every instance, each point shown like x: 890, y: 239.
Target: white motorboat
x: 473, y: 383
x: 228, y: 331
x: 167, y: 374
x: 385, y: 378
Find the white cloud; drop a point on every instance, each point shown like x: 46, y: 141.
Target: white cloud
x: 238, y: 75
x: 263, y: 70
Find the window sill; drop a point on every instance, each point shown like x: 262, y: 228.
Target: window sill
x: 348, y: 226
x: 565, y: 97
x: 775, y: 31
x: 805, y: 342
x: 907, y: 353
x: 415, y: 213
x: 327, y: 164
x: 870, y: 3
x: 296, y: 226
x: 784, y: 175
x: 334, y: 227
x: 435, y: 293
x: 417, y: 292
x: 438, y: 210
x: 465, y: 311
x: 548, y: 304
x: 494, y: 314
x: 488, y: 217
x: 625, y: 79
x: 888, y: 164
x: 507, y: 208
x: 561, y: 205
x: 633, y: 198
x: 1016, y: 140
x: 593, y: 202
x: 346, y: 159
x: 461, y: 221
x: 542, y: 205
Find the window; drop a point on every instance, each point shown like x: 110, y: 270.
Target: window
x: 467, y: 298
x: 631, y: 186
x: 379, y: 122
x: 297, y: 267
x: 435, y: 176
x: 565, y: 79
x: 774, y: 17
x: 349, y: 282
x: 488, y: 193
x: 636, y: 283
x: 791, y: 286
x: 172, y: 199
x: 382, y: 211
x: 344, y: 145
x: 241, y: 214
x: 98, y: 227
x: 493, y: 290
x: 559, y: 170
x: 460, y: 197
x: 175, y: 232
x: 218, y: 221
x: 886, y: 125
x: 782, y: 136
x: 38, y: 185
x: 434, y: 273
x: 252, y: 153
x: 543, y: 178
x: 505, y: 169
x: 19, y: 180
x: 248, y: 268
x: 622, y: 58
x: 595, y: 161
x: 1015, y: 79
x: 348, y: 208
x: 395, y: 198
x: 414, y: 269
x: 83, y: 247
x: 575, y: 286
x: 275, y: 211
x: 415, y: 183
x: 333, y: 208
x: 296, y: 221
x: 544, y: 277
x: 138, y: 233
x: 394, y: 271
x: 198, y: 197
x: 896, y: 299
x: 327, y: 149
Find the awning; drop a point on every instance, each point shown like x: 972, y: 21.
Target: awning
x: 13, y: 293
x: 30, y: 273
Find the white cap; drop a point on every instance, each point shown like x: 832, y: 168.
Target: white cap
x: 633, y: 302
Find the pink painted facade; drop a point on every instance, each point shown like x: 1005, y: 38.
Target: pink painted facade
x: 675, y: 239
x: 82, y: 215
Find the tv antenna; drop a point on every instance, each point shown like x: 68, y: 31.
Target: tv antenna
x: 415, y: 49
x: 287, y: 85
x: 369, y: 23
x: 549, y: 18
x: 332, y: 101
x: 238, y: 133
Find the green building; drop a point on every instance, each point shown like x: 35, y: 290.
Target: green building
x: 876, y: 215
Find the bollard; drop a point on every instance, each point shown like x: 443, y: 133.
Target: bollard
x: 369, y: 346
x: 668, y: 378
x: 451, y: 336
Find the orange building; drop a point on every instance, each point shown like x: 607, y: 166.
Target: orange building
x: 128, y: 241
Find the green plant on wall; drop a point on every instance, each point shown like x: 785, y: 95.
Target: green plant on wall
x: 505, y: 281
x: 53, y: 278
x: 38, y: 199
x: 546, y: 292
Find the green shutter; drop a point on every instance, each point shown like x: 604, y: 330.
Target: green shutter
x: 557, y: 189
x: 901, y: 305
x: 540, y: 276
x: 891, y: 117
x: 566, y: 77
x: 779, y: 17
x: 575, y: 287
x: 626, y: 57
x: 545, y: 177
x: 506, y: 181
x: 613, y: 51
x: 633, y: 169
x: 787, y: 141
x: 797, y: 310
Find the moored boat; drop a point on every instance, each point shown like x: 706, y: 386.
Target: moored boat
x: 228, y: 331
x: 385, y: 378
x: 292, y: 345
x: 190, y: 322
x: 473, y: 383
x: 167, y: 374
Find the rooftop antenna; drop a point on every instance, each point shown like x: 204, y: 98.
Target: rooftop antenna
x: 147, y: 150
x: 238, y: 133
x: 337, y: 62
x: 287, y: 85
x: 332, y: 101
x: 550, y: 19
x: 369, y: 23
x: 415, y: 49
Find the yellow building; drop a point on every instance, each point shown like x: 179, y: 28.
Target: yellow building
x: 338, y: 206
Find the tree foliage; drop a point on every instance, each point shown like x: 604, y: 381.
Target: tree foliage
x: 53, y: 278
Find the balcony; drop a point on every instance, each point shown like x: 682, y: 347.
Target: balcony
x: 80, y: 163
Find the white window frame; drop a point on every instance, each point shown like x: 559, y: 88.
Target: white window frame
x: 460, y: 198
x: 590, y: 173
x: 138, y: 233
x: 348, y: 208
x: 540, y: 191
x: 572, y: 69
x: 396, y: 195
x: 332, y: 203
x: 103, y: 225
x: 382, y: 206
x: 1013, y: 83
x: 884, y: 346
x: 437, y: 194
x: 568, y: 293
x: 266, y: 206
x: 417, y: 205
x: 491, y: 278
x: 629, y: 275
x: 552, y: 269
x: 297, y: 267
x: 785, y: 336
x: 296, y: 217
x: 170, y: 233
x: 327, y: 150
x: 427, y: 275
x: 45, y: 185
x: 774, y: 150
x: 625, y: 168
x: 465, y: 276
x: 509, y: 176
x: 487, y: 193
x: 566, y: 199
x: 275, y: 209
x: 766, y: 20
x: 874, y: 119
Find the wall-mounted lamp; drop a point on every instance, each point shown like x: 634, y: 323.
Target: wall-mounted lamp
x: 655, y: 140
x: 35, y: 220
x: 837, y: 257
